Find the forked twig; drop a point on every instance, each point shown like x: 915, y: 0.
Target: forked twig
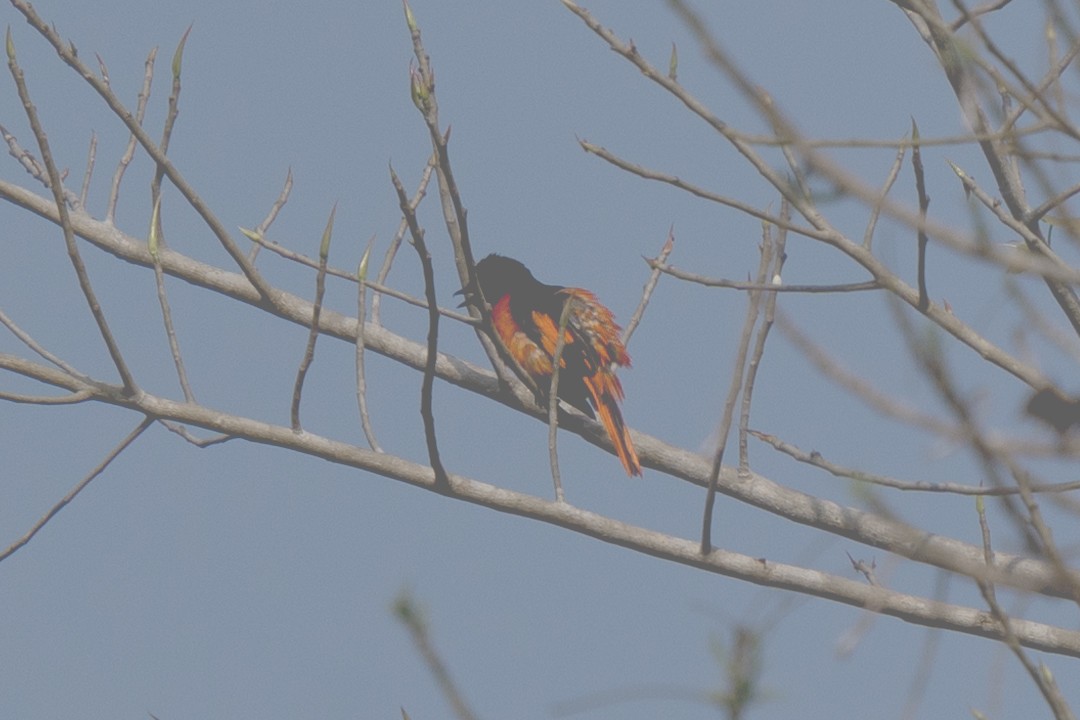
x: 779, y: 257
x: 68, y: 55
x: 729, y: 403
x: 275, y: 208
x: 650, y: 285
x: 56, y: 185
x: 391, y: 250
x: 129, y: 151
x: 442, y: 481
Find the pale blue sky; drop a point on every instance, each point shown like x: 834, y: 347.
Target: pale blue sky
x: 242, y: 581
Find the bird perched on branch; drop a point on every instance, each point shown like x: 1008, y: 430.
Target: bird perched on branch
x: 526, y: 314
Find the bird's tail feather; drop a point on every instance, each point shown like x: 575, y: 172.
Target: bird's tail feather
x: 606, y: 392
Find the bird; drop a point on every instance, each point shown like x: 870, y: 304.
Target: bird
x: 525, y: 314
x: 1055, y: 408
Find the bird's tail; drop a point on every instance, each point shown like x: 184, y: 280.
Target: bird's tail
x: 606, y: 391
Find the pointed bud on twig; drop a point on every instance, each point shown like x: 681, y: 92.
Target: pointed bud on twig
x: 418, y: 89
x: 410, y: 19
x: 964, y: 178
x: 102, y: 68
x: 154, y: 241
x: 10, y: 46
x: 178, y: 56
x: 251, y: 235
x: 673, y: 64
x: 324, y: 246
x: 1046, y: 672
x: 361, y: 270
x: 587, y: 146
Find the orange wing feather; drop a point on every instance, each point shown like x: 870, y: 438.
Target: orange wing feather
x: 592, y: 344
x: 595, y: 325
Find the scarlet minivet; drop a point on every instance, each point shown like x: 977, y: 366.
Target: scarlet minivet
x: 526, y: 315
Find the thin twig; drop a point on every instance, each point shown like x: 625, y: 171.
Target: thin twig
x: 196, y: 441
x: 65, y: 222
x: 391, y: 250
x: 275, y: 208
x: 68, y: 55
x: 650, y: 285
x: 32, y: 166
x: 455, y: 217
x: 924, y: 670
x: 72, y: 399
x: 1036, y: 101
x: 1043, y: 680
x: 743, y: 285
x: 422, y: 87
x: 412, y: 618
x: 1053, y: 59
x: 1051, y: 203
x: 361, y: 324
x: 154, y: 244
x: 924, y: 204
x: 378, y: 288
x: 875, y: 210
x: 316, y: 311
x: 674, y: 181
x: 79, y: 487
x: 816, y: 459
x: 931, y: 359
x: 553, y: 398
x: 91, y: 157
x: 129, y: 151
x: 1034, y: 319
x: 780, y: 256
x: 976, y: 12
x: 442, y: 481
x: 997, y: 154
x: 1035, y: 243
x: 732, y: 395
x: 24, y: 157
x: 33, y: 344
x: 170, y: 121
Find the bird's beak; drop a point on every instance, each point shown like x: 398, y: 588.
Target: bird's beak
x: 470, y: 294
